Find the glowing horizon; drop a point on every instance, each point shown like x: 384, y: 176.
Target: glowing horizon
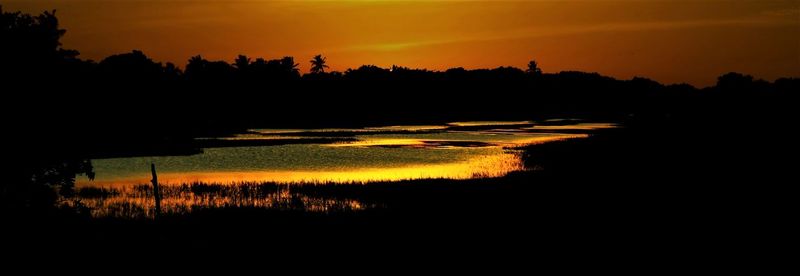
x: 668, y: 41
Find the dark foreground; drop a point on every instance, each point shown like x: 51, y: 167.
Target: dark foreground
x: 641, y: 194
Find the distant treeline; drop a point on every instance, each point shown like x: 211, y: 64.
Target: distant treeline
x: 129, y: 97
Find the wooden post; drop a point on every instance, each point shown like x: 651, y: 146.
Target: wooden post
x: 156, y: 192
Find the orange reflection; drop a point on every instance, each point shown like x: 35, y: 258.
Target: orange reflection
x: 382, y: 142
x: 583, y: 126
x: 522, y: 141
x: 480, y: 166
x: 490, y: 123
x: 409, y: 128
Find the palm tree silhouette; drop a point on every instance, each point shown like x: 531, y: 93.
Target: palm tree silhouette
x: 318, y: 64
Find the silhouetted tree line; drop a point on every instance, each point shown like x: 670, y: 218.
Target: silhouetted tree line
x: 131, y: 95
x: 127, y: 103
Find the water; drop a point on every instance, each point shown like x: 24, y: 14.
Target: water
x: 457, y: 150
x: 262, y: 176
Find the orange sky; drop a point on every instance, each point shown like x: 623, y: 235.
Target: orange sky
x: 669, y: 41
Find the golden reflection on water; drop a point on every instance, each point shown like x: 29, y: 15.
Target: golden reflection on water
x: 381, y: 142
x: 478, y: 166
x: 489, y: 138
x: 267, y: 182
x: 256, y: 137
x: 522, y: 141
x: 132, y: 198
x: 490, y: 123
x: 409, y: 128
x: 583, y: 126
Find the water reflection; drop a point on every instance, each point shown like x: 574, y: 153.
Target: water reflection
x: 490, y: 123
x: 584, y: 126
x: 250, y: 176
x: 489, y: 165
x: 409, y: 128
x: 485, y: 149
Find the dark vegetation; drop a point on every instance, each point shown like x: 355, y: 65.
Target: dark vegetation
x: 692, y: 167
x: 128, y: 101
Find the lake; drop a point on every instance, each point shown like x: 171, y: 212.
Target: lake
x: 278, y: 175
x: 457, y: 150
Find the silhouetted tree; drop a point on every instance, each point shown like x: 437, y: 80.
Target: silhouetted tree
x: 243, y: 70
x: 133, y: 68
x: 318, y: 64
x: 284, y: 69
x: 36, y: 186
x: 195, y: 65
x: 203, y: 71
x: 735, y: 83
x: 31, y: 45
x: 38, y: 76
x: 533, y: 68
x: 241, y: 62
x: 368, y: 72
x: 290, y: 67
x: 171, y: 71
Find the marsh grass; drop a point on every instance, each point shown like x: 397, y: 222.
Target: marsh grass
x: 138, y: 201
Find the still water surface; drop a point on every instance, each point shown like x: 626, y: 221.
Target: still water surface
x: 260, y: 176
x: 458, y: 150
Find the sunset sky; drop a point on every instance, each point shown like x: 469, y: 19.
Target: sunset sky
x: 669, y: 41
